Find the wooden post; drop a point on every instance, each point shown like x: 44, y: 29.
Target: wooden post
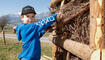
x: 3, y: 36
x: 92, y: 23
x: 53, y: 51
x: 97, y: 28
x: 96, y: 22
x: 54, y: 47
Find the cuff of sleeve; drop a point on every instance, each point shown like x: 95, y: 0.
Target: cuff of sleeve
x: 44, y: 31
x: 54, y: 15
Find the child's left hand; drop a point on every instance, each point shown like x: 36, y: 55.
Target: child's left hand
x: 60, y: 16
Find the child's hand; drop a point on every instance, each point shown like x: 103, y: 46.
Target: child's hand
x: 60, y: 16
x: 45, y: 30
x: 14, y: 29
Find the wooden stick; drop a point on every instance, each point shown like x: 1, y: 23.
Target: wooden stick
x: 62, y: 3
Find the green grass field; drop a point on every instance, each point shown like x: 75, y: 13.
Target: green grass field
x: 8, y: 31
x: 13, y: 48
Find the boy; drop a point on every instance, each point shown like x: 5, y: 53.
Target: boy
x: 30, y: 33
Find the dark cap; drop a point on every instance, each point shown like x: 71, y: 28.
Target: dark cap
x: 28, y: 9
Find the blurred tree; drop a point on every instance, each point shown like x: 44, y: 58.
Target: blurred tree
x: 3, y: 22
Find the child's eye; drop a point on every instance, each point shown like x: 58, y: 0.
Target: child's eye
x: 32, y: 16
x: 27, y: 16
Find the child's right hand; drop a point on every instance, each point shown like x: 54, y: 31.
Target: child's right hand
x: 14, y: 29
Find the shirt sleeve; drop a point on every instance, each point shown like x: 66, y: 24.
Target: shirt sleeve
x: 42, y: 33
x: 18, y: 33
x: 41, y: 25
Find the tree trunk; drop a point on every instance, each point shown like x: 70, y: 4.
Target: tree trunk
x: 3, y: 37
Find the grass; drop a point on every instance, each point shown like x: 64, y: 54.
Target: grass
x: 8, y: 31
x: 46, y: 49
x: 13, y: 48
x: 10, y: 51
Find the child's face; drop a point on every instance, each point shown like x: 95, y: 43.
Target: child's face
x: 28, y: 18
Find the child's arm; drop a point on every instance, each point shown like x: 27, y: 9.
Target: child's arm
x: 42, y: 33
x: 17, y: 31
x: 46, y: 22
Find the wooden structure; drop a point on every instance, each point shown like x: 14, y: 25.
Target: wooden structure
x: 64, y: 47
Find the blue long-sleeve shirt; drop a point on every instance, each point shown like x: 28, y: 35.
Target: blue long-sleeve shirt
x: 41, y: 33
x: 30, y: 34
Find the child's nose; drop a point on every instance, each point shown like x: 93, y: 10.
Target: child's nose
x: 30, y: 18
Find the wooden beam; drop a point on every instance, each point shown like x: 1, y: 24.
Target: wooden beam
x: 81, y: 50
